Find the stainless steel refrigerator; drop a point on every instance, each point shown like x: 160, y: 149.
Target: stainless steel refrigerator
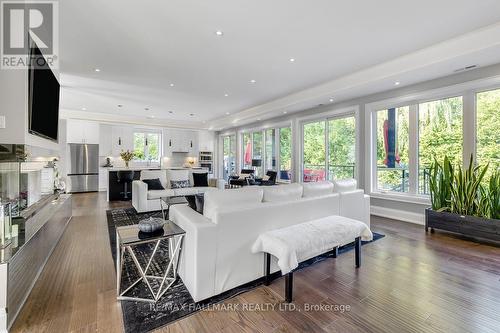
x: 84, y: 168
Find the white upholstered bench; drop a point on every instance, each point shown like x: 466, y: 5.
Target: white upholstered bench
x: 297, y: 243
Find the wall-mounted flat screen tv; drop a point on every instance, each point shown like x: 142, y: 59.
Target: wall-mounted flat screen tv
x: 43, y: 97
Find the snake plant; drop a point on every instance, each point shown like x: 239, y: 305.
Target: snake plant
x: 461, y: 191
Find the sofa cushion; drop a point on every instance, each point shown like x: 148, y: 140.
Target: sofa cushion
x: 316, y: 189
x: 153, y: 184
x: 185, y: 191
x: 157, y: 194
x: 155, y: 174
x: 282, y: 193
x: 200, y: 179
x: 176, y: 175
x: 344, y: 185
x: 215, y: 200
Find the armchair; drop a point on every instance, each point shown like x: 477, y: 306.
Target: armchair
x: 268, y: 182
x: 238, y: 181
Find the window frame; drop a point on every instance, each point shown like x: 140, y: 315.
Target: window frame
x: 468, y: 91
x: 145, y: 132
x: 263, y: 129
x: 352, y: 111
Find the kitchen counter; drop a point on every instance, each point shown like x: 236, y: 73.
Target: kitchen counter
x: 115, y: 189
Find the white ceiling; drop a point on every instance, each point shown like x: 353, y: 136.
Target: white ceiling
x: 141, y: 47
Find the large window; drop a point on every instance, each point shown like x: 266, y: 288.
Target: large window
x: 285, y: 147
x: 342, y: 148
x: 229, y: 156
x: 257, y: 153
x: 147, y: 146
x: 329, y: 149
x: 270, y: 157
x: 488, y: 128
x: 314, y: 151
x: 440, y: 133
x: 260, y: 151
x: 247, y: 151
x: 392, y: 149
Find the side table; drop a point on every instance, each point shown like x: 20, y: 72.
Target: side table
x: 128, y: 237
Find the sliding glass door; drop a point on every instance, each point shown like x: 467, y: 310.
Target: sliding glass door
x: 285, y: 155
x: 268, y: 150
x: 342, y: 148
x: 314, y: 153
x: 329, y: 149
x: 229, y: 156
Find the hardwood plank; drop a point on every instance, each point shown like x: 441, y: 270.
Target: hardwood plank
x: 410, y: 281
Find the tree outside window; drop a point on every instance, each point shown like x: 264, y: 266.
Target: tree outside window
x: 146, y: 146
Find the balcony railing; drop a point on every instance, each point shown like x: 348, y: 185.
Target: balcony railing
x: 390, y: 179
x: 316, y: 173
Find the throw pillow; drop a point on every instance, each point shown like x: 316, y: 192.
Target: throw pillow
x: 244, y: 176
x: 153, y: 184
x: 180, y: 183
x: 200, y: 179
x: 266, y: 178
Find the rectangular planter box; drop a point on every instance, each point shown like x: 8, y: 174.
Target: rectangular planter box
x: 471, y: 226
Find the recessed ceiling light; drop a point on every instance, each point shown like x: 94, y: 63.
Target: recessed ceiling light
x: 397, y: 83
x: 219, y: 33
x: 191, y: 114
x: 170, y: 112
x: 331, y: 100
x: 147, y: 109
x: 292, y: 59
x: 171, y: 84
x: 227, y: 113
x: 97, y: 70
x: 258, y: 119
x: 84, y: 109
x: 120, y: 105
x: 151, y: 117
x: 226, y: 95
x: 252, y: 81
x: 285, y: 112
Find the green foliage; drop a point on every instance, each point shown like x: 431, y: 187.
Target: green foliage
x: 488, y: 133
x: 461, y: 191
x: 465, y: 189
x: 285, y: 136
x: 440, y: 181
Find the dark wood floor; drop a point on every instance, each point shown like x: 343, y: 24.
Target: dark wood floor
x: 409, y: 282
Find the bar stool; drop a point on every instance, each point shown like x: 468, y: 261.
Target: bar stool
x: 126, y: 177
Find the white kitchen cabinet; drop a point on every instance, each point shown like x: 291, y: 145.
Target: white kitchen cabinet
x: 206, y: 141
x: 180, y: 141
x: 121, y: 139
x: 105, y: 140
x: 82, y: 131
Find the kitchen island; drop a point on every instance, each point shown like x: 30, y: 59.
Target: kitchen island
x: 115, y: 188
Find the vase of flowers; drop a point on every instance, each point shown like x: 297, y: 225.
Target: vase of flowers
x: 126, y: 156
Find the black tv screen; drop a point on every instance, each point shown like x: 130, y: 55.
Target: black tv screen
x: 43, y: 97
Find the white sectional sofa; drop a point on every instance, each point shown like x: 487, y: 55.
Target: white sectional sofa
x: 217, y: 252
x: 146, y: 201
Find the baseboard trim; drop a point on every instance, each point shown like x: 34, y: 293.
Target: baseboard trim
x: 397, y: 214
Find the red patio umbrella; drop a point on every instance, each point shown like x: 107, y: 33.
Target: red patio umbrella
x: 248, y: 153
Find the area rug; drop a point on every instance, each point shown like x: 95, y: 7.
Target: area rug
x: 176, y: 303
